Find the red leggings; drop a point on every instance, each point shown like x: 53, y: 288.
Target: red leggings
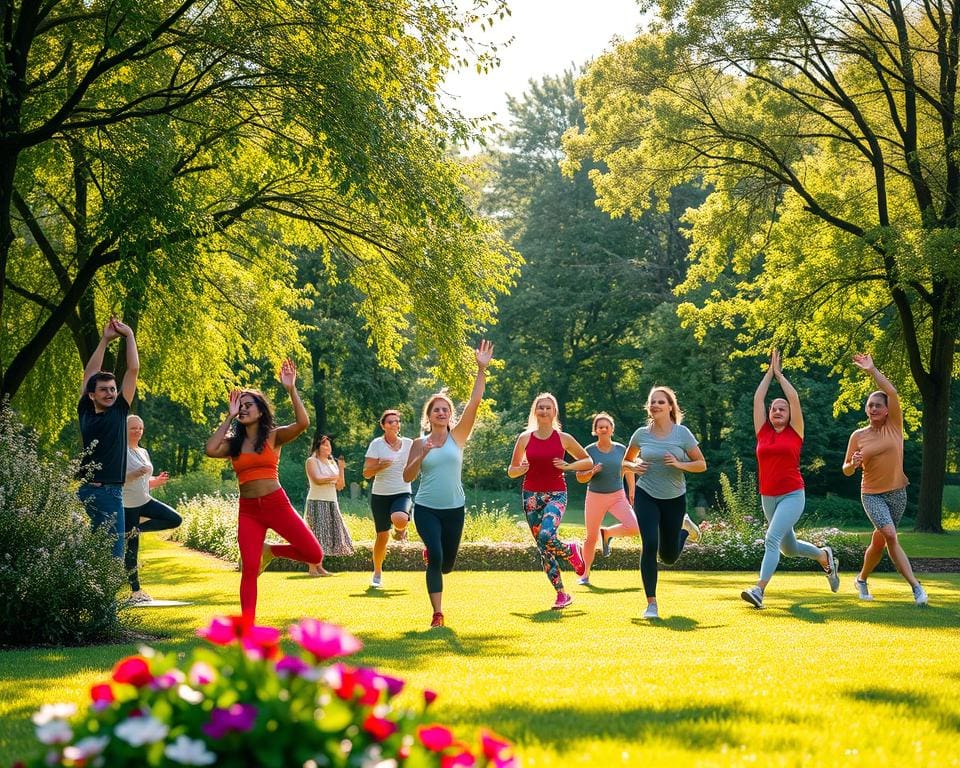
x: 256, y: 516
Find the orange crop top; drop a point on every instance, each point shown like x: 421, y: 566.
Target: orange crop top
x: 257, y: 466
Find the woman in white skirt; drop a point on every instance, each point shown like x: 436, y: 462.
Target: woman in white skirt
x: 322, y: 513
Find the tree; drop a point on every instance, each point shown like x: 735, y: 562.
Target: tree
x: 166, y: 158
x: 825, y: 135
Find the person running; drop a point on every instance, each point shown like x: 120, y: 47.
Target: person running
x: 322, y: 512
x: 779, y: 434
x: 605, y: 492
x: 539, y: 455
x: 390, y: 497
x: 141, y: 512
x: 667, y: 451
x: 102, y: 412
x: 438, y: 510
x: 877, y: 450
x: 252, y: 441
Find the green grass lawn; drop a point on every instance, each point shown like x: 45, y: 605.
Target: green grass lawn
x: 814, y: 679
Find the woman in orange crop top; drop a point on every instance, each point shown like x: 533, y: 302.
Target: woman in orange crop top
x: 877, y: 450
x: 251, y: 440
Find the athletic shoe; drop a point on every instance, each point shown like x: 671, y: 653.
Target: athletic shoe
x: 584, y: 581
x: 426, y: 556
x: 563, y: 600
x: 652, y: 611
x: 862, y: 592
x: 377, y: 581
x: 754, y: 596
x: 576, y: 558
x: 605, y: 541
x: 139, y: 597
x: 400, y: 534
x: 437, y: 620
x: 692, y: 529
x: 832, y: 570
x: 920, y: 595
x: 266, y: 558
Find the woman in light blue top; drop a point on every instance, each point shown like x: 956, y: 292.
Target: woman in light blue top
x: 667, y: 450
x: 438, y: 511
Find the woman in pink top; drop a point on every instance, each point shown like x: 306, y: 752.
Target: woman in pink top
x: 877, y: 450
x: 539, y: 456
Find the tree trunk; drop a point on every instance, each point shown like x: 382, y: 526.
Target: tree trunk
x: 935, y: 427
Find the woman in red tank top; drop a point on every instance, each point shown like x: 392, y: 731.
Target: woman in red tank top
x: 539, y: 456
x: 249, y: 438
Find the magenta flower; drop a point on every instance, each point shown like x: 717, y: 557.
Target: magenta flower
x: 375, y: 682
x: 201, y: 673
x: 497, y: 751
x: 291, y: 666
x: 436, y: 738
x: 261, y: 642
x: 429, y: 697
x: 167, y: 680
x: 460, y: 760
x: 224, y: 630
x: 133, y: 670
x: 237, y: 718
x: 324, y: 641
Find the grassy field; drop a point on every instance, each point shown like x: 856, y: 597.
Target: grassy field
x: 813, y: 679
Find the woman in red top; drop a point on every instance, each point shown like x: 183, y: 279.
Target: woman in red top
x: 539, y: 456
x: 779, y: 440
x: 251, y: 440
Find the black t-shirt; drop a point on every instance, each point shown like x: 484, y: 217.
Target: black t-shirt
x: 109, y: 429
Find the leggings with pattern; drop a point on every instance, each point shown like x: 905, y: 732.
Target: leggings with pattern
x: 544, y: 511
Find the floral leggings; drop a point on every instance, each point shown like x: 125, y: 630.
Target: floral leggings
x: 544, y: 511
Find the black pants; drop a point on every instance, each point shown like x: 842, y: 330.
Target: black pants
x: 441, y: 531
x: 661, y: 530
x: 159, y: 517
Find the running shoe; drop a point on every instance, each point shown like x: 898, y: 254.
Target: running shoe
x: 377, y: 581
x: 692, y: 529
x: 437, y: 620
x: 652, y: 611
x: 139, y: 597
x: 920, y: 595
x: 862, y: 591
x: 832, y: 570
x: 584, y: 581
x: 563, y: 600
x: 576, y: 558
x: 605, y: 541
x: 266, y: 558
x: 754, y: 596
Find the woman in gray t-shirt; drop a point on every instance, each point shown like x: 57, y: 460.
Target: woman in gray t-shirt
x: 667, y: 450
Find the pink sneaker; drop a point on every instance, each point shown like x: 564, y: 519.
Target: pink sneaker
x: 576, y: 559
x: 563, y: 600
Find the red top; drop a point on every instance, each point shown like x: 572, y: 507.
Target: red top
x: 256, y: 466
x: 778, y: 458
x: 542, y: 475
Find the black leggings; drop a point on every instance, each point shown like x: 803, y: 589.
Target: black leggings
x: 441, y: 530
x: 661, y: 530
x: 159, y: 517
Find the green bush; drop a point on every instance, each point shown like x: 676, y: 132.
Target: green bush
x: 835, y: 510
x: 194, y: 484
x: 58, y: 578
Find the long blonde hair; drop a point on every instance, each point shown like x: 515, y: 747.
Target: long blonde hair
x: 676, y: 415
x: 532, y: 418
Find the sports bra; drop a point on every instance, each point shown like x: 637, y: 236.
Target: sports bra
x: 257, y: 466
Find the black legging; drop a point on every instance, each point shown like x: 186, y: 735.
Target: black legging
x: 160, y: 517
x: 661, y: 530
x: 441, y: 530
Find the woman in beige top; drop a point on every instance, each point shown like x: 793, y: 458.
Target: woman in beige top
x: 877, y: 450
x: 322, y: 512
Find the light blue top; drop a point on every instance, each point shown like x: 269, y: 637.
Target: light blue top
x: 440, y: 482
x: 610, y: 477
x: 661, y: 481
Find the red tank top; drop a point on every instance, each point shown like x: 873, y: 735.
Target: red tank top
x: 778, y: 458
x: 542, y: 475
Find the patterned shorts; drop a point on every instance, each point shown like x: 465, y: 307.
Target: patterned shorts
x: 885, y: 508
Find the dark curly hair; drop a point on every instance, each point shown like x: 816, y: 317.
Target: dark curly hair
x: 265, y: 425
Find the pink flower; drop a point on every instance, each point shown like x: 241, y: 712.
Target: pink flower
x: 201, y: 673
x: 460, y: 760
x: 224, y: 630
x: 436, y: 738
x: 374, y: 683
x: 429, y: 697
x: 133, y: 670
x: 167, y: 680
x: 261, y: 642
x: 379, y: 728
x: 291, y: 666
x: 324, y: 641
x: 497, y: 751
x: 238, y: 717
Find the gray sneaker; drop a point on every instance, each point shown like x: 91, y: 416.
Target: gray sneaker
x: 833, y: 569
x: 584, y: 581
x: 652, y: 611
x: 920, y: 595
x: 377, y: 581
x: 754, y: 596
x: 862, y: 591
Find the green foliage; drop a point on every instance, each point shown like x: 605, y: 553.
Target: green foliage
x: 836, y: 510
x: 739, y: 502
x: 59, y: 579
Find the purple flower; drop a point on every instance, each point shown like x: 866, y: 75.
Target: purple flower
x: 291, y: 666
x: 237, y: 717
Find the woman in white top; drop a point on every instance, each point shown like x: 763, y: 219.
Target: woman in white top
x: 322, y: 512
x: 142, y: 512
x: 391, y: 496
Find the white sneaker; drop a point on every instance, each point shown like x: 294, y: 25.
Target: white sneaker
x: 652, y: 612
x: 920, y: 595
x: 862, y: 591
x: 584, y: 581
x: 377, y: 581
x: 754, y: 596
x: 833, y: 569
x: 692, y: 529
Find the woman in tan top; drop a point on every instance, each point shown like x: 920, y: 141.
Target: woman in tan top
x: 877, y: 450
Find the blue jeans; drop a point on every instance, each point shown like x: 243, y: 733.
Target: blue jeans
x: 104, y: 504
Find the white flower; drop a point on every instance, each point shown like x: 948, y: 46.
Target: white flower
x: 138, y: 731
x: 86, y: 748
x: 50, y: 712
x: 189, y: 695
x: 54, y: 732
x: 187, y: 751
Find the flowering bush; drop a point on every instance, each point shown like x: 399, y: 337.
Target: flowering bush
x: 247, y: 703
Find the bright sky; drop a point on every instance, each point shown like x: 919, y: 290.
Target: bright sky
x: 549, y: 37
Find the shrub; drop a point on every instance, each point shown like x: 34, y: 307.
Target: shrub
x: 740, y: 503
x: 247, y: 703
x: 58, y: 578
x: 193, y: 484
x: 835, y: 510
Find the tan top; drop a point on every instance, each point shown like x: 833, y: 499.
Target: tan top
x: 326, y: 491
x: 882, y: 451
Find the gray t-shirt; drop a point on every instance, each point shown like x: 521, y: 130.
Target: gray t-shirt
x: 661, y: 481
x: 610, y: 477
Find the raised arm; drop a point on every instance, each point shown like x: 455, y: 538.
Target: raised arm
x: 581, y: 458
x: 420, y: 448
x: 518, y: 461
x: 461, y: 432
x: 217, y: 446
x: 288, y: 377
x: 894, y: 410
x: 95, y: 363
x: 129, y: 386
x: 796, y: 412
x: 759, y: 397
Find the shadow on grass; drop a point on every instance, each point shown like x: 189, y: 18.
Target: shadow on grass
x: 417, y: 648
x: 607, y: 590
x: 889, y: 612
x: 920, y: 705
x: 674, y: 623
x: 549, y: 616
x: 379, y: 592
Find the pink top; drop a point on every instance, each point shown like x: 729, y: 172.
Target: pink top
x: 778, y: 459
x: 542, y: 475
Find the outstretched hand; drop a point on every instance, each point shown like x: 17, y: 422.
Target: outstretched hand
x: 484, y: 354
x: 234, y: 403
x: 863, y: 361
x: 288, y: 374
x: 775, y: 362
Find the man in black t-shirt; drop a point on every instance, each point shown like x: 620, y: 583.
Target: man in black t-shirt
x: 102, y: 411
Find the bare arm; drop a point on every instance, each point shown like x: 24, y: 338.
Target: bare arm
x: 341, y: 474
x: 312, y: 465
x: 631, y: 485
x: 282, y: 435
x: 581, y: 460
x: 853, y: 458
x: 161, y: 479
x: 461, y: 432
x: 95, y: 363
x: 518, y: 461
x: 372, y: 466
x: 128, y: 387
x: 759, y: 406
x: 217, y: 446
x: 420, y: 448
x: 696, y: 464
x: 796, y: 412
x: 894, y: 410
